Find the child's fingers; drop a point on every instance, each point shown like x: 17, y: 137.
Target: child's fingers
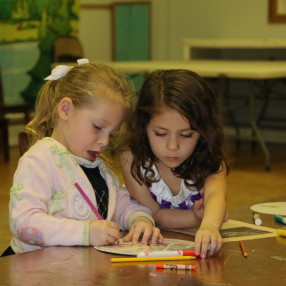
x: 113, y: 230
x: 112, y: 224
x: 209, y: 245
x: 198, y: 208
x: 102, y: 232
x: 110, y: 239
x: 146, y: 235
x: 204, y: 247
x: 198, y: 241
x: 202, y: 241
x: 198, y: 203
x: 216, y: 246
x: 114, y: 234
x: 128, y: 236
x: 156, y: 236
x: 137, y: 234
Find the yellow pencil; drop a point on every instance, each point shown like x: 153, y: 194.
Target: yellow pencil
x: 281, y: 232
x: 138, y: 259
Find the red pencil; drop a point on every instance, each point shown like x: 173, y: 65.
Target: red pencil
x: 242, y: 248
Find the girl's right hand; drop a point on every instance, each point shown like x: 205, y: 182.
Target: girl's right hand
x: 207, y: 238
x: 103, y: 232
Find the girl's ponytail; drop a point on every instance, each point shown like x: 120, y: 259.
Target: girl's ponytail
x: 44, y: 121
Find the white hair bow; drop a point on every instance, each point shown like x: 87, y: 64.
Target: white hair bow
x: 61, y: 70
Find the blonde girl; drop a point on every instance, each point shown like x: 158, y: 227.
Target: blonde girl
x: 63, y: 193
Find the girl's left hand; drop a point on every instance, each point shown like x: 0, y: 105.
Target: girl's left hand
x: 207, y: 241
x: 198, y: 209
x: 143, y: 227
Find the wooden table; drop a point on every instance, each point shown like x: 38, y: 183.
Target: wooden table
x: 190, y: 45
x: 265, y: 265
x: 256, y: 70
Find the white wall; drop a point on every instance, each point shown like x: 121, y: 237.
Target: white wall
x: 220, y: 19
x: 173, y: 20
x: 94, y: 33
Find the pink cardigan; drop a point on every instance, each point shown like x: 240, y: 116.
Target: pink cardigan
x: 46, y: 208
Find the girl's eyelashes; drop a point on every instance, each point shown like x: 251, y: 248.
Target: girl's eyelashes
x: 190, y: 135
x: 96, y: 127
x: 160, y: 134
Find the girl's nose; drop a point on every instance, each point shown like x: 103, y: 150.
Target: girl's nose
x: 103, y: 140
x: 172, y: 144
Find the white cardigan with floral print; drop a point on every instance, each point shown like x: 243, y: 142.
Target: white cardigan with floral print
x: 46, y: 209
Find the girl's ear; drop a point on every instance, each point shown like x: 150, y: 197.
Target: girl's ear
x: 65, y: 108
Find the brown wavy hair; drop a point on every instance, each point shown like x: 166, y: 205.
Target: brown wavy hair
x: 190, y: 95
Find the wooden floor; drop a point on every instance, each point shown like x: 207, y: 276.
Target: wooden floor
x: 248, y: 183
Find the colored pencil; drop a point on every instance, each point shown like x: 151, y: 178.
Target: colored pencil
x: 242, y: 248
x: 88, y: 201
x: 167, y: 253
x: 281, y: 232
x: 280, y: 219
x: 140, y: 259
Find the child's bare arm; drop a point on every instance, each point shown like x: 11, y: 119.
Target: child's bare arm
x: 214, y: 214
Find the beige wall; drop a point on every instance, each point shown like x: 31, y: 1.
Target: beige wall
x: 95, y: 35
x: 173, y: 20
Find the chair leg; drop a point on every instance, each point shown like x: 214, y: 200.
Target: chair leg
x: 5, y: 138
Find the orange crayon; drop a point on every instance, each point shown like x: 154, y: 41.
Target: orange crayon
x: 176, y: 266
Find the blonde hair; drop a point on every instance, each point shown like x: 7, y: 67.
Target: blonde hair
x: 80, y: 85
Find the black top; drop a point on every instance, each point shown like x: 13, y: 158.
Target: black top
x: 100, y: 189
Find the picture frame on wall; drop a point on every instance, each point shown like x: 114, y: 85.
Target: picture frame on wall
x: 277, y: 11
